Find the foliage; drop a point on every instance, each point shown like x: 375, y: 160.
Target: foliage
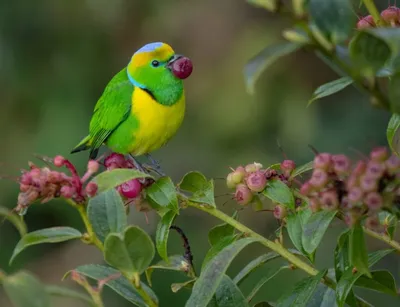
x: 363, y: 194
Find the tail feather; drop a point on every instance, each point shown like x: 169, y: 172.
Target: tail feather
x: 83, y: 145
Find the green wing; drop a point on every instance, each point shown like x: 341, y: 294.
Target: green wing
x: 112, y: 109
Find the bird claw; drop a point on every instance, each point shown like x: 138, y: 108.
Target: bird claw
x: 147, y: 168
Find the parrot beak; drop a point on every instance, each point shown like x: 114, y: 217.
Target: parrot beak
x: 173, y: 59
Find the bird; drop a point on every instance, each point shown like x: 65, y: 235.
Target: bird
x: 143, y: 105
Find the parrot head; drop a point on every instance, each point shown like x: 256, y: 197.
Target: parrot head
x: 157, y: 68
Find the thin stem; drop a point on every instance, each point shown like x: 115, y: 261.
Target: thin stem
x: 146, y: 297
x: 383, y: 238
x: 370, y: 5
x: 2, y: 276
x: 92, y: 239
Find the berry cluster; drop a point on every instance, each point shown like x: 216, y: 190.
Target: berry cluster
x: 252, y: 179
x: 390, y: 16
x: 358, y: 191
x: 45, y: 184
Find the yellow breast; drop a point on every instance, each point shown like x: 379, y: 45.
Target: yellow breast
x: 157, y: 123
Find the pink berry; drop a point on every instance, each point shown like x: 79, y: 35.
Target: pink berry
x: 341, y: 164
x: 366, y: 22
x: 393, y: 163
x: 391, y: 15
x: 256, y: 181
x: 359, y: 169
x: 379, y: 154
x: 114, y: 160
x: 314, y: 205
x: 91, y: 189
x: 182, y: 67
x: 322, y: 161
x: 374, y: 201
x: 67, y: 191
x: 58, y: 161
x: 329, y: 200
x: 243, y: 195
x: 93, y: 166
x: 368, y: 184
x: 372, y: 222
x: 287, y: 166
x: 375, y: 169
x: 130, y: 189
x: 306, y: 188
x: 355, y: 195
x: 319, y: 178
x: 280, y: 212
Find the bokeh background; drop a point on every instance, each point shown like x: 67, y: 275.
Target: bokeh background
x: 56, y: 58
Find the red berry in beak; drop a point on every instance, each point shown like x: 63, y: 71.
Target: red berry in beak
x: 182, y: 67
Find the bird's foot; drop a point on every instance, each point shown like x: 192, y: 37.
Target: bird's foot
x: 155, y: 165
x: 147, y: 168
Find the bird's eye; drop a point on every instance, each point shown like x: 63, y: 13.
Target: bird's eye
x: 155, y: 63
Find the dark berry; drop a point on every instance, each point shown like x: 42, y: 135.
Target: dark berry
x: 91, y: 189
x: 114, y: 160
x: 182, y: 67
x: 130, y: 189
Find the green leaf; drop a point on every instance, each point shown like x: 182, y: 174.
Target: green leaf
x: 358, y: 250
x: 330, y: 88
x: 229, y: 295
x: 130, y: 252
x: 295, y: 230
x: 302, y: 169
x: 14, y: 219
x: 163, y: 233
x: 264, y: 59
x: 253, y: 265
x: 106, y: 213
x: 205, y: 196
x: 163, y: 193
x: 176, y: 263
x: 263, y: 304
x: 369, y: 52
x: 221, y: 231
x: 392, y: 135
x: 270, y: 5
x: 120, y: 285
x: 47, y: 235
x: 315, y: 228
x: 279, y: 193
x: 216, y: 248
x: 390, y: 220
x: 348, y: 278
x: 302, y: 291
x: 382, y: 281
x: 193, y: 182
x: 213, y: 273
x: 341, y: 254
x: 267, y: 276
x: 187, y: 284
x: 111, y: 179
x: 25, y: 290
x: 334, y: 19
x: 322, y: 297
x: 54, y: 290
x: 394, y: 93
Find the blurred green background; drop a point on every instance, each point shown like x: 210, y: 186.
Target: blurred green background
x: 56, y: 58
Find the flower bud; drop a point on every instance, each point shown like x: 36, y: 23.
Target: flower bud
x: 329, y: 200
x: 287, y: 167
x: 322, y: 161
x: 374, y: 201
x: 306, y: 188
x: 393, y: 164
x: 256, y: 181
x: 315, y: 205
x: 230, y: 183
x: 319, y: 178
x: 58, y: 161
x: 243, y: 195
x: 253, y: 167
x: 368, y: 184
x: 114, y: 160
x: 130, y: 189
x: 366, y: 22
x: 355, y: 195
x: 67, y: 191
x: 91, y: 189
x: 341, y: 164
x: 375, y: 169
x: 93, y: 166
x: 280, y: 212
x: 379, y: 154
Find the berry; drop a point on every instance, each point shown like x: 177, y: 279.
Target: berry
x: 350, y: 218
x: 114, y: 160
x: 379, y: 154
x: 253, y: 167
x: 355, y: 195
x: 368, y: 184
x: 391, y: 15
x: 319, y: 178
x: 256, y: 181
x: 322, y: 161
x: 341, y: 164
x: 374, y: 201
x: 375, y: 169
x: 243, y: 195
x: 238, y: 175
x: 366, y: 22
x: 359, y: 169
x: 130, y: 189
x: 91, y: 189
x: 393, y: 163
x: 306, y: 188
x: 230, y: 183
x: 287, y: 166
x: 67, y: 191
x: 93, y: 166
x: 314, y: 205
x: 329, y: 200
x: 279, y: 212
x: 372, y: 222
x: 351, y: 182
x: 58, y: 161
x: 182, y: 67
